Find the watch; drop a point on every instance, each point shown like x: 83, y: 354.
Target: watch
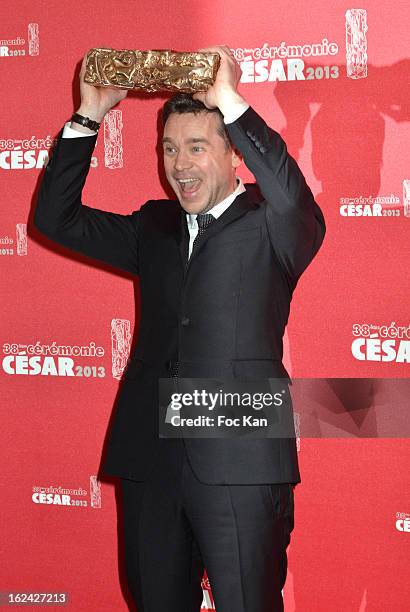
x: 86, y: 122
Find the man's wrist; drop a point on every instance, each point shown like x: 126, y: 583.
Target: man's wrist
x: 232, y: 106
x: 92, y: 113
x: 69, y: 132
x: 81, y: 128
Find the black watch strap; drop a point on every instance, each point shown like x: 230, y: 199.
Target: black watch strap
x: 86, y: 122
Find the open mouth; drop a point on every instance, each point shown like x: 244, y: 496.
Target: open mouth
x: 189, y: 186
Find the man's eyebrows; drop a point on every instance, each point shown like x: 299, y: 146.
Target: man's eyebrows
x: 199, y: 139
x: 188, y: 140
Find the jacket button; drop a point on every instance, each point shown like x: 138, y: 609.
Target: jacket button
x: 185, y: 321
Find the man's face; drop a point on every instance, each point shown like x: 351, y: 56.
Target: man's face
x: 198, y: 166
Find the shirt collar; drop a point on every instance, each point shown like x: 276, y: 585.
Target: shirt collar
x: 217, y: 210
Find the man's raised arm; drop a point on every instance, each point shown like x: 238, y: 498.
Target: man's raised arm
x: 60, y: 214
x: 294, y: 220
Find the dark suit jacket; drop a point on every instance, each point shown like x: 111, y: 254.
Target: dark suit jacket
x: 224, y: 316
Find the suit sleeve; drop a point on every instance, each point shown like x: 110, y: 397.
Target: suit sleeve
x: 294, y: 220
x: 61, y: 216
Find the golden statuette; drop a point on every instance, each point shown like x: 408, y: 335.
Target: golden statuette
x: 154, y: 70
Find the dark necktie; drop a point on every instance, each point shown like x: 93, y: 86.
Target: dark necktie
x: 203, y: 222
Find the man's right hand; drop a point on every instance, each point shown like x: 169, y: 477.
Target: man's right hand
x: 95, y: 101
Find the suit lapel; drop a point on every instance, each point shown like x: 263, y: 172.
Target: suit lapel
x: 245, y: 201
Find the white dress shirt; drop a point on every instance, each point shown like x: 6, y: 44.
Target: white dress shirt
x: 216, y: 211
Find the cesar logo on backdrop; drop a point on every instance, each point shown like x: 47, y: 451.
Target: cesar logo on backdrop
x: 267, y: 63
x: 24, y: 154
x: 403, y: 522
x: 63, y: 496
x: 16, y: 47
x: 33, y: 153
x: 379, y: 206
x: 286, y: 62
x: 27, y: 153
x: 382, y: 343
x: 51, y: 360
x: 19, y: 247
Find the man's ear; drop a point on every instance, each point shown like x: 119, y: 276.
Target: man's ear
x: 236, y: 157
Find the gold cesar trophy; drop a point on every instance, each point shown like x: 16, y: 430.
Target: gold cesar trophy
x: 156, y: 70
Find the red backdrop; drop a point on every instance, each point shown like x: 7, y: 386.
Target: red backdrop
x: 334, y: 83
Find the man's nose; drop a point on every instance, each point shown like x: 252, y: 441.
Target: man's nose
x: 182, y: 161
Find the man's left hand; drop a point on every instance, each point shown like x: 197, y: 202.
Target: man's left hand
x: 223, y: 93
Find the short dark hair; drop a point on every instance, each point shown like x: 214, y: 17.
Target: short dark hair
x: 185, y: 103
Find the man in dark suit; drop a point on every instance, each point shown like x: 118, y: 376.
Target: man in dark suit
x: 217, y: 267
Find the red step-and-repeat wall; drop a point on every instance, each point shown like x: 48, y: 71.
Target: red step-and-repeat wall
x: 333, y: 79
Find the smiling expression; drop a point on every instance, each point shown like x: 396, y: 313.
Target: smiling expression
x: 198, y: 164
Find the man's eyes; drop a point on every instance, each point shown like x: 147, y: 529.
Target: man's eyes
x: 172, y: 150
